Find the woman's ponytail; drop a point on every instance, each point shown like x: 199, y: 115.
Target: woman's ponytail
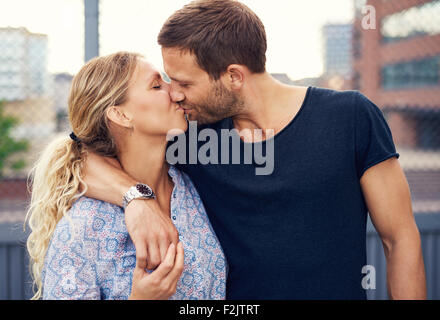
x: 55, y: 181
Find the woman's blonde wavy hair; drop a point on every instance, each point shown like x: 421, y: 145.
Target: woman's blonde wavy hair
x: 55, y: 181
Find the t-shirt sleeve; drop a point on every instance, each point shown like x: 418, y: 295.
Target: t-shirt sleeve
x: 373, y: 137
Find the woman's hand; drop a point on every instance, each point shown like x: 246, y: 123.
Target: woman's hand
x: 162, y: 282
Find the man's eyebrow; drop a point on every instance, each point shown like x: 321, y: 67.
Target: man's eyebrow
x: 180, y: 81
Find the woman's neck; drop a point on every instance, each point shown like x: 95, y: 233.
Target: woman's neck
x: 143, y: 158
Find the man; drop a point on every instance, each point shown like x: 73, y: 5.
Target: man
x: 298, y: 232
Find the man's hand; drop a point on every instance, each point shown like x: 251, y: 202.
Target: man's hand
x: 151, y: 232
x: 161, y: 283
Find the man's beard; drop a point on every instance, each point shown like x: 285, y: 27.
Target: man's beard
x: 220, y: 103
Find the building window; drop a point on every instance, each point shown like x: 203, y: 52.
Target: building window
x: 416, y: 21
x: 428, y: 131
x: 411, y: 74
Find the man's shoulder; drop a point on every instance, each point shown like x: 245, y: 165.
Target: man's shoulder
x: 331, y: 103
x: 335, y: 96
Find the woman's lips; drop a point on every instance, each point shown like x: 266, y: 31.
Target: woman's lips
x: 179, y: 108
x: 186, y: 110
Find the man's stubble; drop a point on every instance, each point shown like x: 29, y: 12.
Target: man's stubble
x: 219, y: 104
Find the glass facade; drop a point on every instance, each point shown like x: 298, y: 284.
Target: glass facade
x: 338, y: 48
x: 412, y: 74
x: 429, y: 131
x: 416, y: 21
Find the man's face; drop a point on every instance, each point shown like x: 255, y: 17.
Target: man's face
x: 204, y: 100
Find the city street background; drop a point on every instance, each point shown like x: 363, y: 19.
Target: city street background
x: 388, y: 50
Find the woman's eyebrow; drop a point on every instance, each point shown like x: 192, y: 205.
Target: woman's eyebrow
x: 154, y: 77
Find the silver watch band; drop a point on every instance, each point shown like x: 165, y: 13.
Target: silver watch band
x: 138, y: 191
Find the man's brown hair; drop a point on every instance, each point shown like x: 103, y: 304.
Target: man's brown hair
x: 219, y: 33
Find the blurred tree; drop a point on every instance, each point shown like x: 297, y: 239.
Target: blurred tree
x: 8, y: 145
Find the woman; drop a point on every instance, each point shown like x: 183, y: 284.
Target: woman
x: 119, y: 107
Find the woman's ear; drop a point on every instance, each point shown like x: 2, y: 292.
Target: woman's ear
x: 119, y: 117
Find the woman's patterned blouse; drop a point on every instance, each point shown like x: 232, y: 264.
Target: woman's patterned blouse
x: 96, y: 259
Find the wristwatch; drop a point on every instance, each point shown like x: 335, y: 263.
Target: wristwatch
x: 138, y: 191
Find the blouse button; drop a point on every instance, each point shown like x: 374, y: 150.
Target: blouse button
x: 174, y: 218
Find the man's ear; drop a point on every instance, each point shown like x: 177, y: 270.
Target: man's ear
x: 235, y: 75
x: 119, y: 117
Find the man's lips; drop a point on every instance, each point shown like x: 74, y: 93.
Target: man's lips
x: 179, y: 108
x: 186, y: 110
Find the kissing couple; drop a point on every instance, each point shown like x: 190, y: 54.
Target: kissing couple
x: 111, y: 218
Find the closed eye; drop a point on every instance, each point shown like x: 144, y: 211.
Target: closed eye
x: 156, y: 85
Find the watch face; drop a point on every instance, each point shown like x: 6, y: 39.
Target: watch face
x: 144, y: 190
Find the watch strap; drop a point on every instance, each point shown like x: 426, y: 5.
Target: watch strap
x: 135, y: 193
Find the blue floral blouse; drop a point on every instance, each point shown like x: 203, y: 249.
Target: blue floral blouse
x: 96, y: 259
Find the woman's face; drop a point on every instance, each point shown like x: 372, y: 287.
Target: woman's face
x: 151, y: 110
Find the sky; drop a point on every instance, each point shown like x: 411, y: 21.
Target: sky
x: 293, y: 29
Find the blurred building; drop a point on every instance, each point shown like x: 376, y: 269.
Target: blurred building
x: 61, y: 90
x: 24, y: 89
x: 305, y: 82
x: 23, y: 64
x: 397, y: 65
x: 337, y: 47
x: 282, y: 77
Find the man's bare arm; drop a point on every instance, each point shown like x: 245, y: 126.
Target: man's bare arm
x: 105, y: 179
x: 151, y: 232
x: 388, y: 198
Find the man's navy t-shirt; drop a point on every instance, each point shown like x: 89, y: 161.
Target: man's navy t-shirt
x: 299, y: 233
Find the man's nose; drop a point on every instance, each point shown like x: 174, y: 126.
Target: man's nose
x: 176, y: 96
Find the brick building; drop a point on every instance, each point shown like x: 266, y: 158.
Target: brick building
x: 397, y: 65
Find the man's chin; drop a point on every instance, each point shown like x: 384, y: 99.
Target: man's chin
x: 201, y: 120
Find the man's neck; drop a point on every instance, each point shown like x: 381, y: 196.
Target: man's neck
x: 269, y: 104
